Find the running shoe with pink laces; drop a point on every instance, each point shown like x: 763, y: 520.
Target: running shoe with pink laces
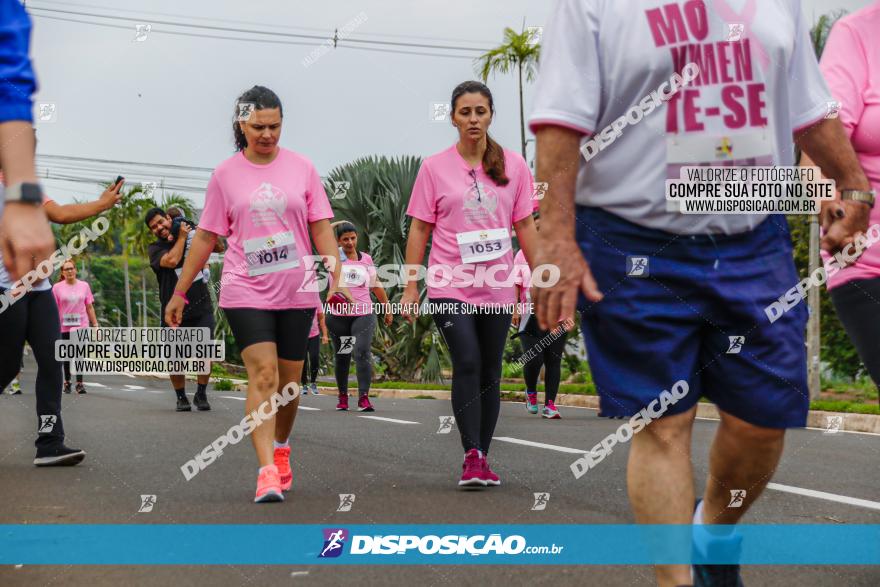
x: 364, y: 404
x: 268, y: 485
x: 282, y: 461
x: 532, y: 402
x: 342, y: 405
x: 550, y: 411
x: 487, y: 474
x: 472, y: 469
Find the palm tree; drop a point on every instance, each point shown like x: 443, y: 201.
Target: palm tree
x: 520, y: 51
x: 376, y: 198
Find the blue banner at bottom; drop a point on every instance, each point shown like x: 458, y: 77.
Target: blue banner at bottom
x: 514, y: 544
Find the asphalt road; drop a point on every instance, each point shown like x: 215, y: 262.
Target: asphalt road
x: 401, y: 471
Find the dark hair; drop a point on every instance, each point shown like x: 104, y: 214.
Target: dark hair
x: 343, y: 228
x: 152, y: 213
x: 174, y: 212
x: 493, y: 158
x: 262, y: 98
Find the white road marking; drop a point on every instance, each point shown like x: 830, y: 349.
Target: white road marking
x: 90, y: 384
x: 565, y: 449
x: 138, y: 387
x: 129, y: 375
x: 309, y: 409
x: 872, y: 505
x: 241, y: 399
x: 388, y: 420
x: 777, y: 486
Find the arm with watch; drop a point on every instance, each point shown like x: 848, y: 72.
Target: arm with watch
x: 826, y: 146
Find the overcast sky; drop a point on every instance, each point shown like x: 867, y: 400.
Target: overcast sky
x: 168, y: 99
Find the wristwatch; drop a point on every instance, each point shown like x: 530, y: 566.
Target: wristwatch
x: 29, y: 193
x: 866, y: 197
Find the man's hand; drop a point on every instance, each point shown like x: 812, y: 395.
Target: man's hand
x: 409, y: 304
x: 25, y: 238
x: 388, y: 318
x: 557, y: 303
x: 515, y: 319
x: 111, y: 196
x: 842, y: 222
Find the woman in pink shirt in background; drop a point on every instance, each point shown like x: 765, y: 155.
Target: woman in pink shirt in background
x: 851, y: 66
x: 76, y: 310
x: 271, y: 205
x: 353, y: 324
x: 468, y: 199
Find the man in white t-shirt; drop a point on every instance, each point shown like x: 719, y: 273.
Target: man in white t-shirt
x: 674, y: 301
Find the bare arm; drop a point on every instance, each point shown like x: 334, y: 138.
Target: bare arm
x: 325, y: 244
x: 557, y: 164
x: 416, y: 242
x: 172, y: 258
x: 826, y: 146
x: 93, y: 319
x: 70, y: 213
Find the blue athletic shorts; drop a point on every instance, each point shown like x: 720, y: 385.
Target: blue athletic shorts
x: 691, y: 308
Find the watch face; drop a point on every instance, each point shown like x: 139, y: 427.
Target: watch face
x: 31, y: 192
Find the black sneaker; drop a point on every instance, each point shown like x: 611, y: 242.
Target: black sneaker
x: 183, y: 405
x: 66, y: 387
x: 58, y: 456
x: 718, y: 575
x: 80, y: 388
x: 200, y: 401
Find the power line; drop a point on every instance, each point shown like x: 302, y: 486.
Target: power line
x: 121, y: 162
x: 238, y: 21
x: 322, y: 38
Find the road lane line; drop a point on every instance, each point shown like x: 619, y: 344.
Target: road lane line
x: 777, y: 486
x: 565, y: 449
x: 241, y: 399
x: 872, y: 505
x: 138, y: 387
x: 389, y: 420
x: 90, y: 384
x: 309, y: 409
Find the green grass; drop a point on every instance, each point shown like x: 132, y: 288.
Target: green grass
x: 846, y: 407
x: 224, y: 385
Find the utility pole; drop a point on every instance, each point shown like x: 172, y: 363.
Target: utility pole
x: 144, y: 294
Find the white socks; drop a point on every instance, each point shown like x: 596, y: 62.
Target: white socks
x: 284, y: 444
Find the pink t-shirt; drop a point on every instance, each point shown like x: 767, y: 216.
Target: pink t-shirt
x: 467, y: 210
x: 72, y: 301
x: 316, y: 330
x: 265, y: 210
x: 358, y: 276
x: 851, y: 66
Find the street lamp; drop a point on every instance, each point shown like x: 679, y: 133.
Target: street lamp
x: 118, y: 322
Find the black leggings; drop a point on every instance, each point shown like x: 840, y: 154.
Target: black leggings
x: 34, y: 318
x: 66, y: 364
x: 313, y: 361
x: 542, y: 350
x: 858, y: 306
x: 362, y: 329
x: 476, y: 347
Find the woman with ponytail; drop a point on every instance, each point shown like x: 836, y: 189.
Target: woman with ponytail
x: 469, y: 199
x: 271, y: 205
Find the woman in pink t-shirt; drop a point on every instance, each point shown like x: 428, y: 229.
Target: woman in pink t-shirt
x: 353, y: 324
x: 271, y: 205
x: 76, y: 310
x: 469, y: 199
x: 851, y: 66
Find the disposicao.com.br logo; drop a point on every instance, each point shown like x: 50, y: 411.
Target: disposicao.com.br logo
x: 431, y: 544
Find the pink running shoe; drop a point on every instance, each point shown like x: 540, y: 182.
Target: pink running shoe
x: 487, y: 474
x: 364, y: 404
x: 342, y: 405
x: 550, y: 412
x: 472, y: 469
x: 268, y: 485
x: 282, y: 461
